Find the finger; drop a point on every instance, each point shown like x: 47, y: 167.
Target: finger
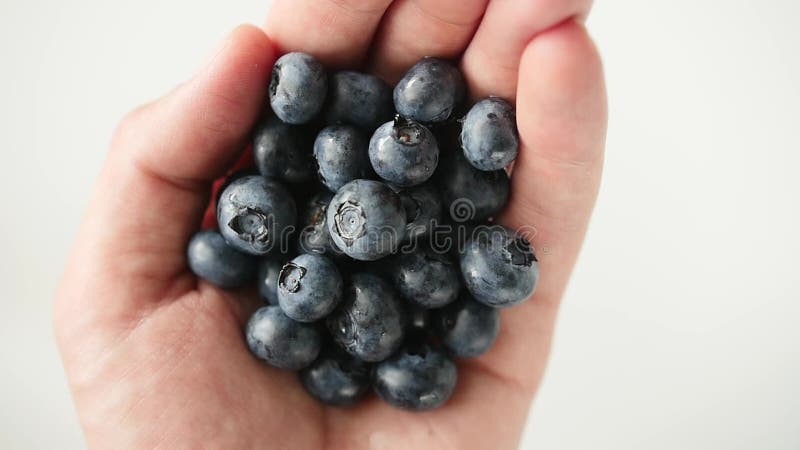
x: 153, y: 188
x: 561, y: 112
x: 481, y: 414
x: 412, y: 29
x: 491, y: 62
x: 196, y: 132
x: 337, y: 32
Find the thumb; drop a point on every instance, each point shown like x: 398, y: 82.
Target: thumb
x: 154, y: 186
x: 196, y: 132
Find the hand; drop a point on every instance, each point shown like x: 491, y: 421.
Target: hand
x: 156, y: 358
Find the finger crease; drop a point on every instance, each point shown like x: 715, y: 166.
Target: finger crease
x: 191, y: 185
x: 448, y: 22
x: 350, y: 7
x: 569, y: 163
x: 511, y: 382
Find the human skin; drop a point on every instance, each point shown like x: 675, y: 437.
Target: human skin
x: 157, y: 359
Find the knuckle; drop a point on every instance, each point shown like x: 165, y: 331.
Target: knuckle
x: 362, y: 6
x: 129, y: 123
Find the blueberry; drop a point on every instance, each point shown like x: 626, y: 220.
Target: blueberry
x: 451, y: 238
x: 342, y: 156
x: 241, y: 173
x: 336, y: 378
x: 403, y: 152
x: 358, y: 99
x: 467, y: 328
x: 213, y: 260
x: 268, y: 270
x: 489, y: 134
x: 470, y: 194
x: 429, y: 91
x: 366, y: 220
x: 370, y: 321
x: 418, y: 377
x: 256, y: 214
x: 423, y: 210
x: 419, y: 319
x: 281, y: 151
x: 309, y: 287
x: 426, y: 278
x: 314, y: 235
x: 280, y: 341
x: 499, y: 267
x: 298, y: 87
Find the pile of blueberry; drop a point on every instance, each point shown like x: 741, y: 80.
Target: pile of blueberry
x: 394, y: 266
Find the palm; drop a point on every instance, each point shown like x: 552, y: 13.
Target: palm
x: 156, y: 358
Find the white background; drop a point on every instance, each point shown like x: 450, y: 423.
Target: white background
x: 682, y: 323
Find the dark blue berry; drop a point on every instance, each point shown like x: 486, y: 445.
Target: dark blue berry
x: 314, y: 235
x: 298, y: 87
x: 366, y: 220
x: 469, y: 194
x: 423, y: 210
x: 241, y: 173
x: 466, y: 327
x: 281, y: 341
x: 370, y: 321
x: 282, y: 151
x: 255, y: 214
x: 489, y: 134
x: 213, y: 260
x: 358, y: 99
x: 419, y: 319
x: 426, y: 278
x: 403, y: 152
x: 429, y: 91
x: 336, y: 378
x: 268, y: 270
x: 342, y: 156
x: 499, y: 267
x: 309, y: 287
x: 418, y: 377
